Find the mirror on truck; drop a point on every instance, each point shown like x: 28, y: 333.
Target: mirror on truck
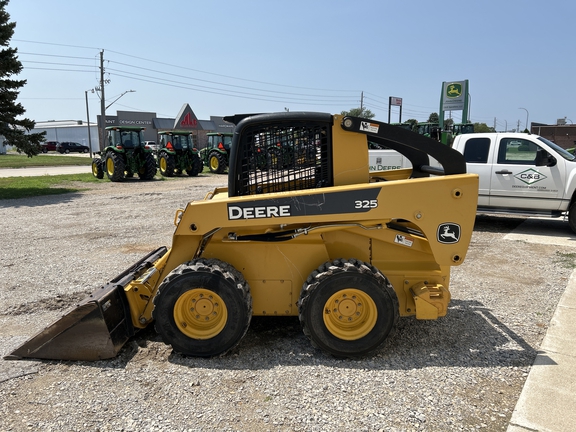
x: 543, y: 158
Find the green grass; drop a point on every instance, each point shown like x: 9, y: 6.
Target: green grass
x: 23, y: 161
x: 567, y: 260
x: 25, y: 187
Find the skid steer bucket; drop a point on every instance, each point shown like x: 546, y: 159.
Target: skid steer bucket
x: 96, y: 328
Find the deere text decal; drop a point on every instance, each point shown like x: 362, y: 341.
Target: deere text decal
x: 306, y: 205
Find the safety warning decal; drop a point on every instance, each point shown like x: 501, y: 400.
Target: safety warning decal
x: 403, y: 240
x: 369, y: 127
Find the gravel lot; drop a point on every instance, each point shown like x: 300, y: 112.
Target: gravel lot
x: 462, y: 372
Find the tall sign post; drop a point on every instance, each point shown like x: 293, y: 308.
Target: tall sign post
x: 455, y: 97
x: 394, y: 101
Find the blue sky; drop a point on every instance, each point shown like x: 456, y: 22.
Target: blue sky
x: 226, y: 57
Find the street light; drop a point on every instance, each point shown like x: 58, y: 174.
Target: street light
x: 127, y: 91
x: 526, y: 117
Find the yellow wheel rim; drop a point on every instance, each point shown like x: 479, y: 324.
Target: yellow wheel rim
x: 110, y: 166
x: 94, y: 169
x: 350, y: 314
x: 200, y: 313
x: 163, y: 164
x: 214, y: 163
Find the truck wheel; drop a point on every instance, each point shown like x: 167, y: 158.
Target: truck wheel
x: 203, y: 308
x: 572, y: 216
x: 167, y: 165
x: 347, y: 308
x: 115, y: 167
x: 196, y: 167
x: 216, y: 163
x: 148, y: 171
x: 97, y: 170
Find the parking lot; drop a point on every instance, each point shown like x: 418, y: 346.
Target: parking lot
x: 465, y: 371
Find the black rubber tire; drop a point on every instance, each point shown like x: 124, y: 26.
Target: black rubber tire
x: 572, y: 217
x: 206, y: 275
x: 148, y: 171
x: 196, y: 167
x: 345, y: 276
x: 114, y: 166
x: 97, y: 170
x: 167, y: 164
x: 216, y: 163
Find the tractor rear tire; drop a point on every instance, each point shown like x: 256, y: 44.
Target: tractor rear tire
x: 196, y: 167
x: 97, y: 170
x: 216, y: 163
x: 148, y: 171
x: 348, y: 308
x: 203, y: 308
x: 115, y: 167
x: 167, y: 164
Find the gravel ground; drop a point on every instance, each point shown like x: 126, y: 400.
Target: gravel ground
x: 462, y: 372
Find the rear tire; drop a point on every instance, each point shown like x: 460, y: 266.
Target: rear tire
x: 203, y: 308
x: 348, y: 308
x: 167, y: 165
x: 115, y: 166
x: 97, y: 170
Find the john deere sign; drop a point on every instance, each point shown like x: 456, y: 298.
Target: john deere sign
x: 453, y: 95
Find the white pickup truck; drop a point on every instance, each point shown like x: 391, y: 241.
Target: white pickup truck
x: 519, y: 173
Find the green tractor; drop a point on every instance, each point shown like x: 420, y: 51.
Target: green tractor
x: 178, y: 154
x: 215, y: 154
x: 125, y: 155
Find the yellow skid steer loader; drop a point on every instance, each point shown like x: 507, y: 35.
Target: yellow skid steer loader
x: 303, y: 229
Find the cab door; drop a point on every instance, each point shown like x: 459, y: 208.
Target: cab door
x: 525, y: 176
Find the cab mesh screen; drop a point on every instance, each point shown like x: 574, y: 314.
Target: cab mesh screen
x: 277, y: 158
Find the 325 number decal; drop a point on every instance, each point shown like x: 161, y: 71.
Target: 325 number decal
x: 366, y: 204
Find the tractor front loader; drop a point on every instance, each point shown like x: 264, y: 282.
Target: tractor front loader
x: 319, y: 237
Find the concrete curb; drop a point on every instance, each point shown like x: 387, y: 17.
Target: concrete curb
x: 548, y: 399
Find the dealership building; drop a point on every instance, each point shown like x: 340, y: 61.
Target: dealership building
x: 79, y: 131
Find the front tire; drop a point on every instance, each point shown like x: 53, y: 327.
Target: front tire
x: 148, y: 171
x: 97, y: 170
x: 572, y: 217
x: 196, y: 167
x: 347, y: 308
x: 167, y: 165
x: 203, y: 308
x: 115, y: 167
x: 216, y: 163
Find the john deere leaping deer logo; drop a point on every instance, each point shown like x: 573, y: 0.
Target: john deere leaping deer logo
x: 454, y: 90
x: 448, y: 233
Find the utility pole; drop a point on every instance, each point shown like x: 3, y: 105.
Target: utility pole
x: 361, y: 102
x: 88, y: 121
x: 102, y: 104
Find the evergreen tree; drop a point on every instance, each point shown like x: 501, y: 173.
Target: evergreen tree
x: 15, y: 130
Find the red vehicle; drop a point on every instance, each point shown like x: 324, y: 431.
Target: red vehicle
x: 49, y: 146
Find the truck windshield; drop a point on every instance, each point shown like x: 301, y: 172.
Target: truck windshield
x: 562, y: 152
